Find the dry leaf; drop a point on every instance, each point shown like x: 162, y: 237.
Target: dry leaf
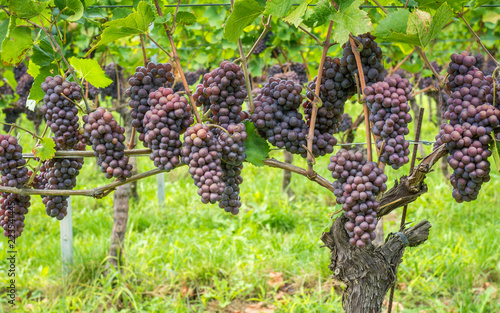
x: 275, y: 279
x: 402, y: 286
x: 396, y: 306
x: 259, y: 308
x: 187, y: 292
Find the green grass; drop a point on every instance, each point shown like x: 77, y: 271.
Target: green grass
x: 224, y: 261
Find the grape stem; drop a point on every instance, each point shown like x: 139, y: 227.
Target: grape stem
x: 243, y: 61
x: 422, y: 54
x: 131, y: 143
x: 430, y: 87
x: 219, y: 127
x: 401, y: 63
x: 314, y: 109
x: 478, y: 39
x: 267, y: 28
x: 315, y: 96
x: 355, y: 50
x: 177, y: 61
x: 143, y: 48
x: 100, y: 192
x: 310, y: 35
x: 13, y: 125
x: 158, y: 45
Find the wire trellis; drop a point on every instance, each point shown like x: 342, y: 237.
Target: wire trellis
x: 424, y: 142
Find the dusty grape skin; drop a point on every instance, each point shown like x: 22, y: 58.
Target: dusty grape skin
x: 389, y: 113
x: 357, y: 183
x: 106, y: 136
x: 145, y: 80
x: 60, y: 111
x: 169, y: 115
x: 200, y: 153
x: 231, y: 144
x: 14, y: 173
x: 472, y: 116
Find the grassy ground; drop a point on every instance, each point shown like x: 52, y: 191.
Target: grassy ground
x: 189, y: 257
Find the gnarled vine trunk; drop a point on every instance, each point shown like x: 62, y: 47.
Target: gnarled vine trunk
x: 370, y: 272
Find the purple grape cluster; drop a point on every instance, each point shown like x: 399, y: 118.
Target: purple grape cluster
x: 58, y: 174
x: 60, y: 110
x: 471, y: 121
x: 262, y: 45
x: 388, y: 103
x: 168, y: 116
x: 13, y: 207
x: 115, y: 72
x: 335, y: 87
x: 223, y: 92
x: 191, y: 78
x: 107, y: 138
x: 277, y: 118
x: 345, y: 123
x: 144, y: 81
x: 371, y: 59
x: 232, y: 148
x: 201, y: 155
x: 298, y: 69
x: 357, y: 184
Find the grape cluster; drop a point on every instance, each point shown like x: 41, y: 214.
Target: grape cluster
x: 276, y: 116
x: 11, y: 116
x: 145, y: 80
x: 471, y: 121
x: 345, y: 123
x: 60, y: 110
x: 20, y: 71
x: 371, y: 59
x: 262, y: 45
x: 232, y: 148
x: 388, y: 103
x: 223, y: 91
x: 204, y: 161
x: 489, y: 67
x: 191, y: 78
x: 23, y: 88
x: 168, y: 116
x: 357, y: 184
x: 115, y: 72
x: 107, y: 138
x: 58, y: 174
x: 299, y: 70
x: 335, y: 87
x: 13, y: 207
x: 427, y: 81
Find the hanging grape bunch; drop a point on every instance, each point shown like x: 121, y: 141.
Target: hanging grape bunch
x: 223, y: 92
x: 144, y: 81
x: 60, y: 110
x: 59, y: 174
x: 276, y: 115
x: 262, y: 45
x: 232, y: 148
x: 191, y: 78
x: 335, y: 87
x: 115, y: 72
x: 388, y: 103
x: 294, y: 69
x: 471, y: 122
x: 201, y: 155
x: 13, y: 207
x: 371, y: 59
x: 357, y: 183
x: 107, y: 138
x: 169, y: 116
x: 345, y: 123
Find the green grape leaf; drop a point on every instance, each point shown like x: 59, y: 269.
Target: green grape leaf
x: 73, y: 9
x: 33, y: 69
x: 477, y: 3
x: 4, y: 29
x: 434, y: 4
x: 297, y: 15
x: 394, y: 26
x: 46, y: 149
x: 11, y: 78
x: 350, y: 19
x: 36, y: 92
x: 16, y: 43
x: 91, y: 71
x: 495, y: 148
x: 257, y: 148
x: 440, y: 18
x: 186, y: 18
x: 121, y: 13
x: 43, y: 54
x: 278, y: 8
x: 134, y: 24
x: 164, y: 19
x: 27, y: 8
x: 244, y: 13
x: 320, y: 15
